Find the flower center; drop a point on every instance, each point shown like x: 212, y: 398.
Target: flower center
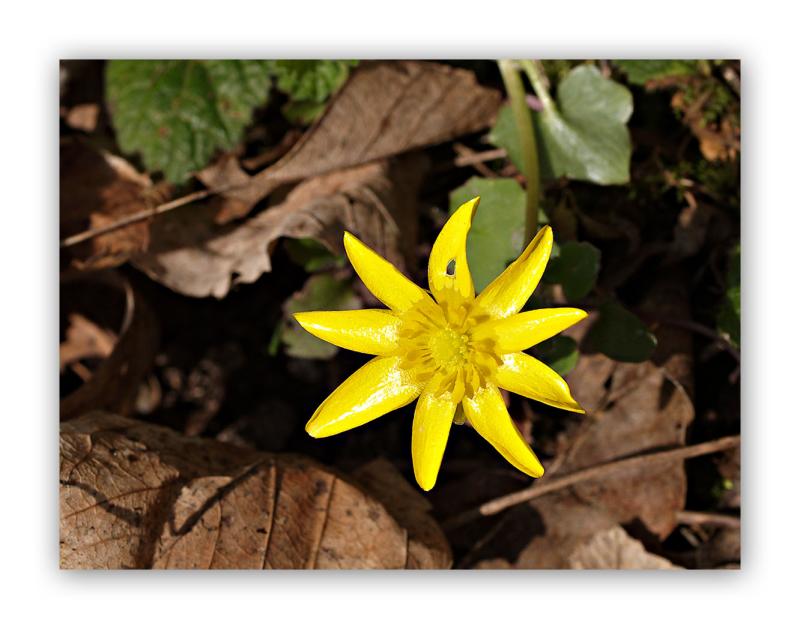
x: 448, y: 347
x: 437, y: 343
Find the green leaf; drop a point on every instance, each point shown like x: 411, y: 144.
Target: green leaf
x: 621, y: 335
x: 575, y: 268
x: 320, y: 292
x: 498, y: 228
x: 583, y: 136
x: 178, y: 113
x: 560, y: 353
x: 312, y: 255
x: 504, y: 135
x: 729, y: 318
x: 309, y: 84
x: 640, y: 71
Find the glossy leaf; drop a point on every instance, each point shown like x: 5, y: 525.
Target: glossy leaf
x: 583, y: 135
x: 575, y: 268
x: 176, y: 114
x: 498, y: 227
x: 621, y: 335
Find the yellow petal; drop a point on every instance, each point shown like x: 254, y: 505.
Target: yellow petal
x: 367, y: 331
x: 488, y: 415
x: 524, y: 375
x: 383, y: 280
x: 509, y: 291
x: 378, y: 387
x: 526, y: 329
x: 432, y: 420
x: 449, y: 253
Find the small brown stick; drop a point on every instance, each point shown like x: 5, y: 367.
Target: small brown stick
x: 712, y: 519
x: 468, y: 159
x: 136, y: 217
x: 466, y: 153
x: 540, y: 489
x: 699, y: 328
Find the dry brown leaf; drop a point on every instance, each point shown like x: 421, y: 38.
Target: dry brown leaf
x: 105, y: 301
x: 559, y: 525
x: 718, y: 141
x: 615, y: 549
x: 635, y: 407
x: 83, y: 117
x: 84, y: 339
x: 575, y: 535
x: 135, y: 495
x: 98, y: 189
x: 386, y: 108
x: 428, y: 546
x: 192, y: 255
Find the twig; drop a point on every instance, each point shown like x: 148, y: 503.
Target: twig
x: 468, y: 158
x: 714, y: 519
x: 136, y: 217
x: 466, y: 153
x: 699, y: 328
x: 540, y: 489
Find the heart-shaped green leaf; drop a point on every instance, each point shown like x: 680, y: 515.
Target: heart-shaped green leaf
x: 498, y: 228
x: 621, y: 335
x: 178, y: 113
x: 583, y: 135
x: 575, y: 268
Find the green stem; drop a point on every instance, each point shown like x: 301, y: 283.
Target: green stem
x: 538, y: 79
x: 527, y: 138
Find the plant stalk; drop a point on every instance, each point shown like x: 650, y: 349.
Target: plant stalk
x: 527, y: 138
x: 538, y: 79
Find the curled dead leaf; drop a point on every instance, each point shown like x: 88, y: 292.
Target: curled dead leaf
x: 386, y: 108
x: 98, y: 189
x: 192, y: 255
x: 106, y: 321
x: 135, y: 495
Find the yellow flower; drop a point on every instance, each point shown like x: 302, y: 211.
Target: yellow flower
x: 447, y: 350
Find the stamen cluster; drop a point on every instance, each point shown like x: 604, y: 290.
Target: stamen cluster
x: 443, y: 343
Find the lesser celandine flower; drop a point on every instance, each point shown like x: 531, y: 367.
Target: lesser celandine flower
x: 448, y: 348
